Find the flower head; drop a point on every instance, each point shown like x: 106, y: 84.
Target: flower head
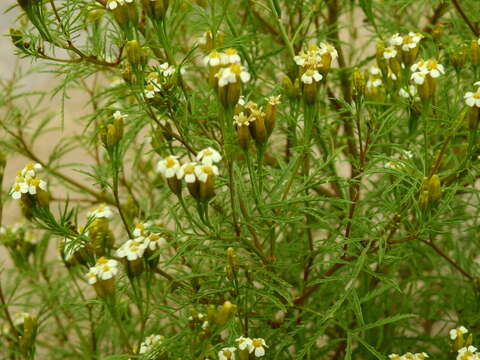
x: 132, y: 249
x: 209, y: 156
x: 227, y: 353
x: 187, y: 172
x: 101, y: 211
x: 168, y: 166
x: 461, y: 330
x: 203, y: 171
x: 311, y: 76
x: 150, y: 342
x: 244, y: 343
x: 258, y: 346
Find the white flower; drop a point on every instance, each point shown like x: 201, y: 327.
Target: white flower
x: 102, y: 211
x: 106, y: 268
x: 209, y: 156
x: 389, y: 52
x: 408, y: 93
x: 168, y: 166
x: 327, y: 48
x: 166, y: 69
x: 150, y: 91
x: 140, y: 229
x: 241, y: 119
x: 225, y: 76
x: 411, y: 41
x: 258, y: 347
x: 113, y: 4
x: 310, y: 76
x: 230, y: 56
x: 454, y: 333
x: 92, y: 276
x: 419, y: 77
x: 187, y: 172
x: 154, y: 242
x: 467, y: 353
x: 20, y: 317
x: 244, y: 343
x: 213, y: 59
x: 395, y: 40
x: 241, y: 100
x: 374, y: 83
x: 231, y: 74
x: 374, y: 70
x: 117, y: 115
x: 227, y: 353
x: 132, y: 249
x: 30, y: 170
x: 18, y: 189
x: 472, y: 98
x: 150, y: 342
x: 274, y: 100
x: 299, y: 60
x: 204, y: 171
x: 430, y: 67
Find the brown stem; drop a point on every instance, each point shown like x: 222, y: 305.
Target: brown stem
x: 448, y: 258
x: 464, y: 16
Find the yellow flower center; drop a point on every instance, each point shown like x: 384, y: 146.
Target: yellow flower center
x: 257, y: 343
x: 170, y: 162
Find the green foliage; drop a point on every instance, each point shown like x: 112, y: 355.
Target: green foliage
x: 338, y: 221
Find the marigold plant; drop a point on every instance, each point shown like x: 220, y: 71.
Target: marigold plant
x: 271, y: 179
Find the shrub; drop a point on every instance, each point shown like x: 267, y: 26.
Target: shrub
x: 276, y: 179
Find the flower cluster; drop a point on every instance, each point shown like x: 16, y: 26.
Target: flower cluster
x: 198, y: 175
x: 403, y: 48
x: 150, y: 343
x: 398, y: 162
x: 143, y: 246
x: 252, y: 122
x: 102, y: 276
x: 314, y: 63
x: 424, y: 75
x: 317, y: 59
x: 159, y: 80
x: 104, y: 269
x: 27, y: 182
x: 409, y: 356
x: 254, y: 346
x: 226, y: 73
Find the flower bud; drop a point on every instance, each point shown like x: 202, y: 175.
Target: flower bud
x: 257, y: 126
x: 95, y: 15
x: 434, y: 188
x: 155, y: 9
x: 271, y: 112
x: 475, y: 52
x: 175, y: 185
x: 437, y: 31
x: 381, y: 62
x: 18, y: 39
x: 100, y: 236
x: 242, y: 122
x: 224, y: 312
x: 134, y: 52
x: 292, y: 90
x: 458, y: 58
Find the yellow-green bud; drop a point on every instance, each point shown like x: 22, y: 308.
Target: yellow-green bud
x: 475, y: 52
x: 224, y: 312
x: 134, y: 52
x: 155, y: 9
x: 95, y: 15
